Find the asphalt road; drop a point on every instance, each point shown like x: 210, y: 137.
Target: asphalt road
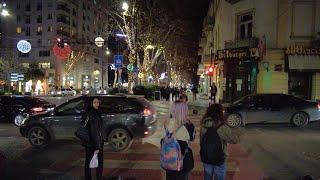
x: 280, y: 151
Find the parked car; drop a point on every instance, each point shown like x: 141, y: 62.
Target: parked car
x: 64, y: 92
x: 13, y: 108
x: 124, y: 119
x: 272, y: 108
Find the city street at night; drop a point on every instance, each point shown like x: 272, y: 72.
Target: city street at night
x: 266, y: 152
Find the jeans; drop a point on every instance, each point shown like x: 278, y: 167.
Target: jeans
x: 218, y: 172
x: 87, y: 170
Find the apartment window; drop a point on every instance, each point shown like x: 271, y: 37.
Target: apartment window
x: 28, y: 7
x: 44, y: 54
x: 39, y: 6
x: 50, y: 29
x: 74, y: 13
x: 83, y: 28
x: 49, y: 41
x: 88, y: 28
x: 39, y: 19
x: 18, y: 6
x: 27, y: 19
x: 83, y: 6
x: 96, y: 61
x: 18, y: 30
x: 88, y: 17
x: 20, y: 54
x: 28, y: 31
x: 18, y: 18
x: 74, y: 24
x: 39, y: 30
x: 83, y: 17
x: 245, y: 25
x: 39, y: 42
x: 49, y: 16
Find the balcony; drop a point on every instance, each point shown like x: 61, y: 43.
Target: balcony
x: 233, y: 1
x: 243, y: 43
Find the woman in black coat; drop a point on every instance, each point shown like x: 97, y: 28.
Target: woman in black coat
x: 96, y: 133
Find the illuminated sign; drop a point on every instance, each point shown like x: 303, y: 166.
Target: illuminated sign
x: 24, y: 46
x: 301, y: 50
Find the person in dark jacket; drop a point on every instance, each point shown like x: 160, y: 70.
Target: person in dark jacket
x: 96, y: 133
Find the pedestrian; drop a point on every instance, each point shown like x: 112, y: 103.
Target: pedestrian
x: 194, y: 92
x: 96, y: 133
x: 175, y: 125
x: 214, y: 136
x: 213, y: 91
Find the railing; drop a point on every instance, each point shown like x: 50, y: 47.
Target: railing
x: 251, y: 42
x: 233, y: 1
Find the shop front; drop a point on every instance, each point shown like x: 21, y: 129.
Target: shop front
x: 303, y: 67
x: 238, y: 77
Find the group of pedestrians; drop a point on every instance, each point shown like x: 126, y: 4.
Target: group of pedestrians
x: 214, y: 136
x: 173, y: 92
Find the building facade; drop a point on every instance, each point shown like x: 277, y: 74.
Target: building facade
x: 262, y: 46
x: 41, y: 23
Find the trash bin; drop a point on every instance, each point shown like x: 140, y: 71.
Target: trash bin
x: 157, y: 95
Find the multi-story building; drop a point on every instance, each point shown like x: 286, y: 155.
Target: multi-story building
x: 262, y: 46
x: 40, y: 22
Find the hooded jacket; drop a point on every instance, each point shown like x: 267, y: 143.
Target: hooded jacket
x: 226, y: 134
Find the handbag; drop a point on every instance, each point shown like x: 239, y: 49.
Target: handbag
x: 188, y: 161
x: 82, y: 132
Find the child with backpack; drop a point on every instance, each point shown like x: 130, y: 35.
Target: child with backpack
x: 176, y: 157
x: 214, y: 136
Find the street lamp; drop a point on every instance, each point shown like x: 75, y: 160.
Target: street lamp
x: 107, y: 51
x: 99, y: 41
x: 125, y: 6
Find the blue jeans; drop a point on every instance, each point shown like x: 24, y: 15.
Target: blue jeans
x: 218, y: 172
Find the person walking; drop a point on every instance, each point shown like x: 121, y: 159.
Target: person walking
x: 175, y: 125
x: 194, y: 92
x: 95, y: 128
x: 213, y: 91
x: 214, y: 136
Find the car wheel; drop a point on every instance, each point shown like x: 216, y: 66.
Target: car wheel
x: 119, y: 139
x: 234, y: 120
x: 38, y: 137
x: 300, y: 119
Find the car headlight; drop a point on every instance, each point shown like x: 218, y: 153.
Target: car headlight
x: 20, y: 119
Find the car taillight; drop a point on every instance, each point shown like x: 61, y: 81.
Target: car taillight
x: 318, y: 106
x: 37, y: 109
x: 147, y: 112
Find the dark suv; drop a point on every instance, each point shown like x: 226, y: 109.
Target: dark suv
x: 14, y: 107
x: 124, y: 118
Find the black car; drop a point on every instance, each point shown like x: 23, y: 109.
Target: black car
x: 272, y: 108
x: 124, y: 118
x: 14, y: 106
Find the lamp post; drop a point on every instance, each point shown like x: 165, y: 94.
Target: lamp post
x: 99, y: 41
x: 107, y: 53
x: 4, y: 12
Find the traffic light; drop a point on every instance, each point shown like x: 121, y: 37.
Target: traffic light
x: 210, y: 71
x: 60, y: 42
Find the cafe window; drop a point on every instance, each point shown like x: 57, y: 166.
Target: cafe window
x: 245, y: 26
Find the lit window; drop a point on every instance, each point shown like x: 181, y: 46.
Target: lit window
x: 49, y: 28
x: 19, y: 30
x: 245, y: 26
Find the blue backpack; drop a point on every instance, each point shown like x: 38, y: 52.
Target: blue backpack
x: 170, y: 154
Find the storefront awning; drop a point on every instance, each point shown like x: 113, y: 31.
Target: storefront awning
x: 304, y: 63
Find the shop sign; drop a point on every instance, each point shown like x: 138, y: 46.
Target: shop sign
x: 237, y: 53
x: 302, y: 50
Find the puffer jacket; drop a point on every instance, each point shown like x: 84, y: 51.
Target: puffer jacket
x: 226, y: 134
x: 96, y: 130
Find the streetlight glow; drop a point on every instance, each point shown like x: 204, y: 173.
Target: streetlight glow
x: 125, y: 6
x: 121, y: 35
x: 4, y: 12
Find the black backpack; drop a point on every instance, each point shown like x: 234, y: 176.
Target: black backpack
x: 191, y: 130
x: 211, y: 151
